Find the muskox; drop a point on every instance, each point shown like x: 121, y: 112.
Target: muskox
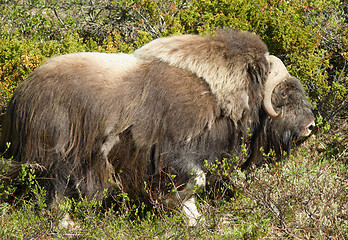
x: 93, y: 121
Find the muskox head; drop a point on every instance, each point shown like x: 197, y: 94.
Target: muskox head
x: 298, y: 120
x: 277, y: 133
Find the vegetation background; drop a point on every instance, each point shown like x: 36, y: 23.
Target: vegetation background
x: 305, y: 197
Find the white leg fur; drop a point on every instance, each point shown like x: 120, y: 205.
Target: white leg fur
x: 191, y: 211
x: 68, y: 223
x: 186, y: 198
x: 189, y: 205
x: 200, y: 178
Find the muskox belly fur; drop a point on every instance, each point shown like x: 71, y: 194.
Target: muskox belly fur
x: 95, y: 121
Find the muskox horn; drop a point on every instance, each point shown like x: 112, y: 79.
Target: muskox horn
x: 277, y: 74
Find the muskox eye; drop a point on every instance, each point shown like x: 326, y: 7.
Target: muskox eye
x: 284, y: 94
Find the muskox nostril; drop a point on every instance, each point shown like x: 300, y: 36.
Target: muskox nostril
x: 311, y: 126
x: 308, y: 130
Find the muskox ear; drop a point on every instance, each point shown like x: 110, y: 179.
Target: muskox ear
x: 277, y: 74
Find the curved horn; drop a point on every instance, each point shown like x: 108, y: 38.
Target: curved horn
x: 277, y: 74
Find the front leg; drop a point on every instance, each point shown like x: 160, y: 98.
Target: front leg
x: 189, y: 206
x: 186, y: 198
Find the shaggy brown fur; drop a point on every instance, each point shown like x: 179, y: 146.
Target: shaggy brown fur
x: 87, y: 118
x: 233, y: 64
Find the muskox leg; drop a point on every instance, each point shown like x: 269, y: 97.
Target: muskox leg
x: 189, y: 205
x: 187, y: 199
x: 68, y: 223
x: 190, y: 209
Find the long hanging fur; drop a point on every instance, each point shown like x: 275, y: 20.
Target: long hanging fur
x: 95, y: 121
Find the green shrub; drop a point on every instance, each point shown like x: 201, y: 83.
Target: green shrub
x: 20, y: 56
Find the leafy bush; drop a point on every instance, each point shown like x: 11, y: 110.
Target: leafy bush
x: 20, y: 56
